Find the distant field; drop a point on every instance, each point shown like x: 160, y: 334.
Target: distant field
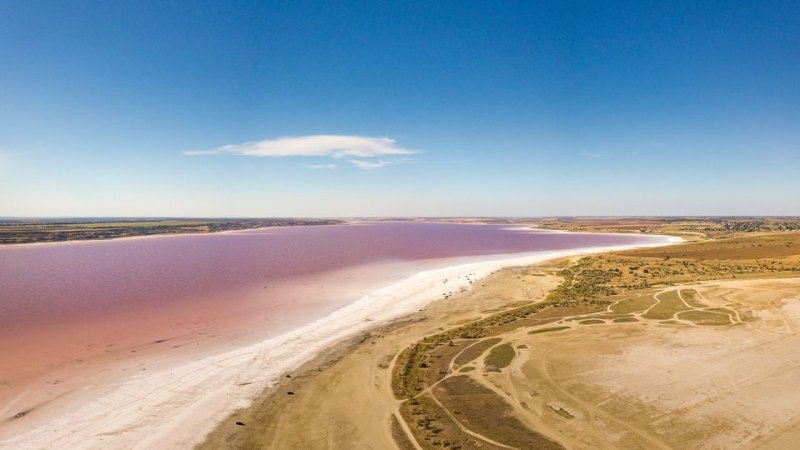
x: 30, y: 231
x: 740, y: 248
x: 691, y: 228
x: 754, y: 256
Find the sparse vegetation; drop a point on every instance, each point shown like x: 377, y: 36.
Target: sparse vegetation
x: 668, y: 305
x: 626, y: 320
x: 633, y: 304
x: 474, y: 351
x: 473, y: 401
x: 500, y: 356
x: 592, y: 322
x: 549, y: 329
x: 705, y: 317
x: 583, y: 282
x: 690, y: 297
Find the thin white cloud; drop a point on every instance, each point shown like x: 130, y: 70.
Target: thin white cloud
x: 370, y: 165
x: 594, y: 155
x: 335, y: 146
x: 321, y: 166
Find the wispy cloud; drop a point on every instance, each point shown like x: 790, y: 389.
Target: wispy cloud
x: 333, y: 146
x: 593, y: 155
x: 370, y: 165
x: 321, y: 166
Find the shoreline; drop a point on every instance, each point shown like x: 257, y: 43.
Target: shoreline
x: 343, y: 222
x: 185, y: 403
x: 530, y: 227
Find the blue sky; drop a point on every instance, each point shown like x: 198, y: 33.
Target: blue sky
x: 399, y: 108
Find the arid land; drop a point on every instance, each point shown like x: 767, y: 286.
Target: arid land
x: 688, y: 346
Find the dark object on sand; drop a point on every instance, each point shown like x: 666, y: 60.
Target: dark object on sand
x: 241, y: 424
x: 290, y: 393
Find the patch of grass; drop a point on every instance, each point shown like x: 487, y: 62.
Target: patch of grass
x: 691, y: 298
x: 547, y: 330
x: 597, y: 316
x: 500, y: 356
x: 474, y: 351
x: 560, y: 312
x: 631, y: 305
x: 706, y: 318
x: 425, y: 363
x: 399, y: 436
x: 667, y: 307
x: 484, y: 412
x: 626, y: 320
x: 432, y: 427
x: 591, y: 322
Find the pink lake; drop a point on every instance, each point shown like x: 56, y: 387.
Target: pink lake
x: 99, y: 308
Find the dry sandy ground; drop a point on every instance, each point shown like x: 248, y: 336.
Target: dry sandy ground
x: 651, y: 385
x: 646, y: 384
x: 343, y: 399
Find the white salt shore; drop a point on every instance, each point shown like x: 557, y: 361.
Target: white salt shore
x: 175, y: 407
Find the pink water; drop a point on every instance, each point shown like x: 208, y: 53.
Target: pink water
x: 89, y: 304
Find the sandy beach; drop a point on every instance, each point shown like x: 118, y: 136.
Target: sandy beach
x: 175, y: 405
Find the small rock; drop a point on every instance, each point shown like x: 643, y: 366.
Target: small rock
x: 241, y: 424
